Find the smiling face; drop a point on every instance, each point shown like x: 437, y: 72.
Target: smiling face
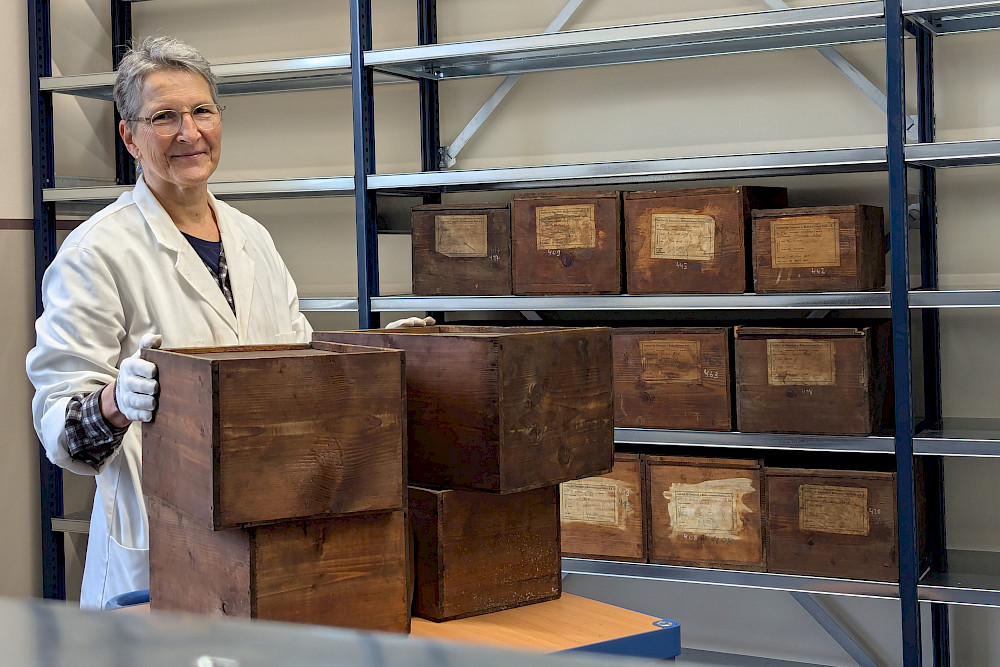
x: 174, y: 166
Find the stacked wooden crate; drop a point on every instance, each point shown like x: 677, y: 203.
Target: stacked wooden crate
x: 276, y: 484
x: 497, y: 418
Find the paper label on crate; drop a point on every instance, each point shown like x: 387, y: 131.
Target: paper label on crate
x: 713, y: 508
x: 670, y: 360
x: 570, y: 226
x: 801, y: 362
x: 460, y: 235
x: 833, y: 509
x: 683, y: 236
x: 805, y: 241
x: 592, y: 501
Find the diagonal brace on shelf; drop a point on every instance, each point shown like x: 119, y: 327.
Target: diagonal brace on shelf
x: 450, y: 153
x: 831, y: 626
x: 854, y: 75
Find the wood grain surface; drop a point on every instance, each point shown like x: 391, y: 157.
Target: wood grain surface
x: 477, y: 552
x: 721, y: 262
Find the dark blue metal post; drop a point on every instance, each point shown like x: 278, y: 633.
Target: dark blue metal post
x: 364, y: 160
x: 43, y: 176
x: 931, y: 337
x: 430, y: 134
x: 121, y: 34
x: 899, y: 298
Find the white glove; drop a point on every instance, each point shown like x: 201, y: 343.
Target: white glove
x: 411, y: 322
x: 136, y: 384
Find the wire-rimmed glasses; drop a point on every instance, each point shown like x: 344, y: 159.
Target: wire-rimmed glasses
x: 167, y: 122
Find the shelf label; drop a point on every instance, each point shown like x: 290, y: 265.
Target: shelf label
x: 572, y: 226
x: 460, y: 235
x: 670, y: 360
x: 833, y: 509
x: 805, y: 241
x: 801, y: 362
x: 683, y: 236
x: 593, y: 501
x: 713, y: 508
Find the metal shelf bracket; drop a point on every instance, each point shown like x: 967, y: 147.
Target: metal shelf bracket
x: 449, y: 153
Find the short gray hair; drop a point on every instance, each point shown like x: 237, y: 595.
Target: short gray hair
x: 156, y: 54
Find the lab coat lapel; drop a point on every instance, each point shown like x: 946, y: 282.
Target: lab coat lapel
x: 187, y: 262
x: 241, y: 267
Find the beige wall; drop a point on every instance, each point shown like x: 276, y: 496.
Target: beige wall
x: 20, y: 572
x: 756, y: 102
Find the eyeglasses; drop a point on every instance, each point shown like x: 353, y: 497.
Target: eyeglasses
x: 167, y: 123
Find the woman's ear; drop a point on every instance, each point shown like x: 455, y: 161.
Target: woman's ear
x: 126, y: 134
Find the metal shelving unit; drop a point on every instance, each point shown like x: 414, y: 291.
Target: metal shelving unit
x: 956, y: 577
x: 787, y: 28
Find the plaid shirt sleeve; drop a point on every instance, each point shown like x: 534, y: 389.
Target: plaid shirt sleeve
x: 91, y: 438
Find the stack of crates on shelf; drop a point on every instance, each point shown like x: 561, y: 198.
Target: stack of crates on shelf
x: 721, y: 240
x: 739, y: 513
x: 497, y: 417
x: 276, y: 484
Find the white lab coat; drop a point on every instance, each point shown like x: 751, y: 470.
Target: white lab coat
x: 125, y: 272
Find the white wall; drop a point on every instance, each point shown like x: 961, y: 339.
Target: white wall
x: 757, y: 102
x: 20, y: 573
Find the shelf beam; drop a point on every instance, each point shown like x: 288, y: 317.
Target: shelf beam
x: 791, y: 163
x: 229, y: 190
x: 954, y: 153
x: 691, y: 302
x: 942, y: 17
x: 738, y: 33
x: 261, y: 76
x: 741, y: 579
x: 734, y: 439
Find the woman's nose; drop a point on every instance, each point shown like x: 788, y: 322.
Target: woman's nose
x: 188, y: 129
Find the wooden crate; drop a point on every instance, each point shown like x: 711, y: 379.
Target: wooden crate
x: 263, y: 433
x: 477, y: 552
x: 567, y: 243
x: 694, y: 241
x: 461, y: 249
x: 836, y: 523
x: 344, y: 571
x: 602, y: 517
x: 705, y: 512
x: 674, y: 378
x: 502, y: 408
x: 818, y: 249
x: 827, y: 381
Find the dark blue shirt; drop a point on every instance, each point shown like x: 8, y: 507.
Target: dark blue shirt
x: 209, y: 251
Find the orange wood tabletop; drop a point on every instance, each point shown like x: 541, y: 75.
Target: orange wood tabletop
x: 568, y: 622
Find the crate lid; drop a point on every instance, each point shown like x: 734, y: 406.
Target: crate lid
x: 701, y: 461
x: 482, y: 206
x: 666, y: 331
x: 567, y: 195
x: 800, y: 332
x: 811, y: 210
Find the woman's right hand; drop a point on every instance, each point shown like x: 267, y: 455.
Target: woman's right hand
x: 135, y: 389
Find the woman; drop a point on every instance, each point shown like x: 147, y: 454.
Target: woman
x: 166, y: 263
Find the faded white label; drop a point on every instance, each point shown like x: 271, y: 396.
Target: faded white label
x: 805, y: 241
x: 589, y: 501
x: 670, y: 360
x: 712, y: 508
x: 833, y: 509
x: 570, y: 226
x: 683, y: 236
x: 460, y: 235
x: 800, y: 361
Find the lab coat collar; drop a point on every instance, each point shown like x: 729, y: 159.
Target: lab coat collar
x: 241, y: 266
x: 188, y: 263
